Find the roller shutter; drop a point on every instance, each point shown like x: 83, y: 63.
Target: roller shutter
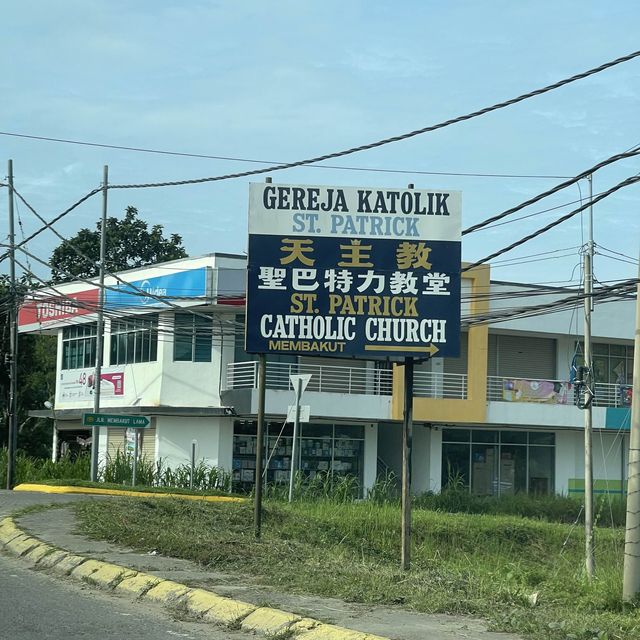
x: 459, y: 365
x: 523, y: 357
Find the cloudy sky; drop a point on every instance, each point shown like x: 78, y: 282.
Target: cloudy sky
x: 285, y: 80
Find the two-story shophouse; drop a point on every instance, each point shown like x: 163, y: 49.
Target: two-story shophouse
x: 500, y: 419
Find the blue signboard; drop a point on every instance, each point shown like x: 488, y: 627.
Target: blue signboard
x: 353, y: 272
x: 177, y: 287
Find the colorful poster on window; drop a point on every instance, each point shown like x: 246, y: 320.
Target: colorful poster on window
x: 365, y: 272
x: 79, y: 384
x: 541, y: 391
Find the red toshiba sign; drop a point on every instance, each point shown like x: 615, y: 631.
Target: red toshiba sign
x: 53, y: 309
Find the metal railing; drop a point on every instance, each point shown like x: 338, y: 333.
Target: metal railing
x: 606, y: 394
x: 432, y: 384
x: 324, y: 378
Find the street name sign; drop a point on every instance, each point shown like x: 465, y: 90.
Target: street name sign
x: 115, y: 420
x: 353, y: 272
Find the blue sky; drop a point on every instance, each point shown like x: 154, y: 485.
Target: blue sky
x: 285, y: 80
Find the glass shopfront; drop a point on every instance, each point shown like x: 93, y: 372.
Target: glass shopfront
x: 334, y: 449
x: 498, y: 462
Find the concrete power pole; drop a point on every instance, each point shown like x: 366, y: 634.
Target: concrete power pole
x: 95, y: 432
x: 588, y: 398
x: 13, y: 345
x: 631, y: 580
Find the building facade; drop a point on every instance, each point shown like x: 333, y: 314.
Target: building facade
x: 500, y: 419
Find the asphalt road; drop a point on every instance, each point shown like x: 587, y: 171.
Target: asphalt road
x: 35, y: 605
x: 11, y: 501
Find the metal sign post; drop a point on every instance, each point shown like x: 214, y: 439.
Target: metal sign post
x: 257, y: 505
x: 407, y: 443
x: 135, y: 458
x: 299, y: 383
x: 194, y: 444
x: 294, y: 449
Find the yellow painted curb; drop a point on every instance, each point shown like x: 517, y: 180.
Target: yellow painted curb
x: 215, y: 608
x: 108, y: 575
x: 51, y: 560
x: 331, y: 632
x: 8, y: 530
x: 269, y: 621
x: 138, y: 584
x: 86, y: 568
x: 22, y: 544
x: 211, y: 607
x: 67, y: 564
x: 45, y: 488
x: 166, y: 592
x: 42, y: 550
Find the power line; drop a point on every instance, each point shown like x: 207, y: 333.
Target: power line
x: 563, y: 185
x: 625, y: 183
x: 385, y: 141
x: 277, y: 167
x: 164, y: 152
x: 49, y: 224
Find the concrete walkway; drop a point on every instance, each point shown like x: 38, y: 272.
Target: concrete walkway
x: 58, y: 527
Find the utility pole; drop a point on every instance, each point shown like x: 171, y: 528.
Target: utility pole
x: 95, y: 432
x: 588, y: 397
x: 13, y: 344
x: 631, y: 580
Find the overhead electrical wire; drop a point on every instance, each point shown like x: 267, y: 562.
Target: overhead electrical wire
x: 441, y: 125
x: 466, y: 174
x: 613, y: 292
x: 563, y: 185
x: 397, y: 138
x: 625, y: 183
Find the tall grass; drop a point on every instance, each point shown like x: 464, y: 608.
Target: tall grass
x: 525, y: 575
x: 610, y: 511
x: 30, y: 469
x: 118, y: 469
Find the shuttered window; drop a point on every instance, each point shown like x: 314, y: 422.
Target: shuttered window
x: 459, y: 365
x: 522, y: 357
x: 116, y: 441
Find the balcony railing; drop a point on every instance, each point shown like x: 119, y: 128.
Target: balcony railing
x: 324, y: 378
x: 350, y: 380
x: 431, y: 384
x: 559, y: 392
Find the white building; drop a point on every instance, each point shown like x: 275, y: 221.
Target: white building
x: 500, y: 419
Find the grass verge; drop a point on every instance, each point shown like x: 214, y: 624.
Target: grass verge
x: 524, y: 576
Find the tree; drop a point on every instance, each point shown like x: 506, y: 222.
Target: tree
x: 130, y: 244
x: 36, y: 378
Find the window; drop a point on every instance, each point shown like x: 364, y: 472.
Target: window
x: 192, y: 338
x: 324, y: 449
x: 612, y: 363
x: 79, y: 346
x: 498, y: 462
x: 134, y: 340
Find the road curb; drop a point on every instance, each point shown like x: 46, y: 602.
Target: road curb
x: 205, y: 605
x: 96, y: 491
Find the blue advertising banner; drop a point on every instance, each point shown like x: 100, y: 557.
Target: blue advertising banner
x: 178, y: 287
x: 353, y: 272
